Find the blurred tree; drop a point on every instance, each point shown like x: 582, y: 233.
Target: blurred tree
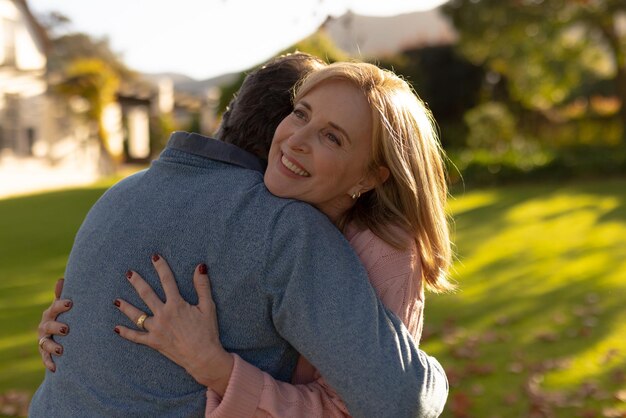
x: 68, y: 46
x: 491, y: 127
x: 80, y: 65
x: 445, y: 80
x: 546, y: 49
x: 320, y: 45
x: 93, y: 80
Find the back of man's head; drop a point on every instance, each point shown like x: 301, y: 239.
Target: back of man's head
x: 263, y: 101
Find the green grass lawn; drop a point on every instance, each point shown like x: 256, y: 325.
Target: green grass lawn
x: 538, y: 324
x: 538, y: 327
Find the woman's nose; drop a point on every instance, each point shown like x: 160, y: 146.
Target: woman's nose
x: 298, y: 141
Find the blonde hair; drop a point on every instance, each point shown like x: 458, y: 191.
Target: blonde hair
x: 405, y: 141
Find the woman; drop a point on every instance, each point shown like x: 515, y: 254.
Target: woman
x: 361, y: 147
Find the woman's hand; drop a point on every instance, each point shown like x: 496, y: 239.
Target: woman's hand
x: 49, y: 327
x: 186, y: 334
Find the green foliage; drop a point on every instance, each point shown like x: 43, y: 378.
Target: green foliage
x: 161, y: 127
x: 320, y: 45
x: 544, y: 63
x: 528, y: 162
x: 85, y: 67
x: 228, y: 91
x: 68, y: 46
x: 447, y: 82
x: 538, y: 322
x: 491, y: 127
x: 95, y: 82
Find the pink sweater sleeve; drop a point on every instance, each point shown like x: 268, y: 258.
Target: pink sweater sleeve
x: 396, y: 277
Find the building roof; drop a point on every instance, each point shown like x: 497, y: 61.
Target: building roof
x: 39, y: 30
x: 374, y: 36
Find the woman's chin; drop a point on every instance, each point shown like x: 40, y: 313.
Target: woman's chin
x: 277, y: 191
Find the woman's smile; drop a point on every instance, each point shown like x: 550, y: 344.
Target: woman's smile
x: 294, y: 167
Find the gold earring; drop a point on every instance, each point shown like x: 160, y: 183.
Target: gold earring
x: 355, y: 195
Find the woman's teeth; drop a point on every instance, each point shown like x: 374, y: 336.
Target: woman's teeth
x: 293, y: 168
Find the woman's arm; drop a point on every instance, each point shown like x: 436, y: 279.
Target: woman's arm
x: 396, y: 277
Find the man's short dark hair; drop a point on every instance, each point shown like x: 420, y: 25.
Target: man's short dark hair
x: 263, y: 101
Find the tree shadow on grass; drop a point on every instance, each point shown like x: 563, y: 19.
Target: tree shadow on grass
x: 539, y: 290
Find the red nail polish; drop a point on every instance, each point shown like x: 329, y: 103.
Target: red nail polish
x: 68, y: 304
x: 117, y: 330
x: 58, y: 351
x: 116, y: 303
x: 63, y: 330
x: 129, y: 274
x: 155, y: 257
x: 202, y: 269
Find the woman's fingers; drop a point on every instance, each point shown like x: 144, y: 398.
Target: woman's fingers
x: 49, y: 346
x: 58, y: 288
x: 50, y: 314
x: 47, y: 362
x: 54, y: 328
x: 49, y: 326
x: 58, y: 307
x: 144, y: 290
x: 167, y: 278
x: 203, y: 287
x: 134, y: 336
x: 131, y: 312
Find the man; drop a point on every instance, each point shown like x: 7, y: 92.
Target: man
x: 284, y: 280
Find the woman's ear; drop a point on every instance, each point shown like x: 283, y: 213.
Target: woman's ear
x: 373, y: 179
x: 383, y: 174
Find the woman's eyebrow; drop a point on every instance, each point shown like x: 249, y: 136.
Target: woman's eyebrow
x: 340, y: 129
x: 305, y: 104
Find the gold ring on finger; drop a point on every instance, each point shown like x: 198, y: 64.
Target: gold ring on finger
x: 141, y: 320
x: 42, y: 340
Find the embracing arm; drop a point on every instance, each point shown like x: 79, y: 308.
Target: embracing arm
x: 396, y: 278
x: 328, y: 311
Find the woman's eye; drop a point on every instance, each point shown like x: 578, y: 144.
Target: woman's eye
x: 333, y: 138
x: 299, y: 114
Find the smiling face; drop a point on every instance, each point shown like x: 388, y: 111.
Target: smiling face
x: 321, y: 151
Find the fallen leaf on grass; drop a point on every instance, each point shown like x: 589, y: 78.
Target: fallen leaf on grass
x: 547, y: 337
x: 14, y: 403
x: 460, y: 405
x: 614, y: 413
x: 516, y: 367
x: 479, y: 369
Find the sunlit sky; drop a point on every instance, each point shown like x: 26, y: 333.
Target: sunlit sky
x: 208, y: 38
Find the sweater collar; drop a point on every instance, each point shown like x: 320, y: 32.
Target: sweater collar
x: 206, y: 147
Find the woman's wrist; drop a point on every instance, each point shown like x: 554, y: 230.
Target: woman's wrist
x: 214, y: 371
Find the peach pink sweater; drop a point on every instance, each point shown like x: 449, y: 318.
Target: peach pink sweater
x: 396, y: 277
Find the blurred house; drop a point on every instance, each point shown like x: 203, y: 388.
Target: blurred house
x: 381, y: 36
x: 45, y: 140
x: 23, y: 84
